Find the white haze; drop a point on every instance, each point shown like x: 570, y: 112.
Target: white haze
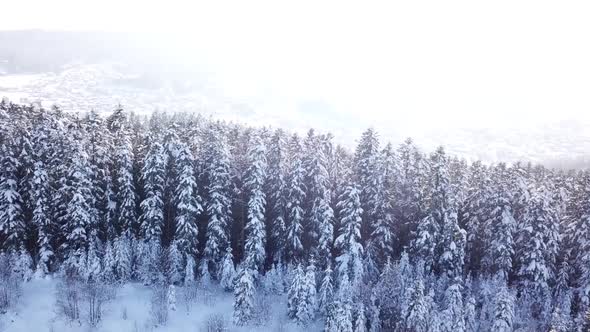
x: 404, y: 67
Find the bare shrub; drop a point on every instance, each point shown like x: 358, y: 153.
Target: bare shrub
x: 262, y: 310
x: 68, y: 295
x: 159, y: 304
x: 95, y: 295
x: 189, y: 296
x: 124, y: 315
x: 216, y: 323
x: 207, y: 297
x: 281, y: 325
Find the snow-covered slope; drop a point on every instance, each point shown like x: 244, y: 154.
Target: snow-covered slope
x: 101, y: 87
x: 129, y: 311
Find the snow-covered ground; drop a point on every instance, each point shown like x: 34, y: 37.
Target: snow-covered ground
x: 130, y: 311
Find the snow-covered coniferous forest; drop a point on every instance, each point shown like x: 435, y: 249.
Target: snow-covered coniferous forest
x: 176, y: 222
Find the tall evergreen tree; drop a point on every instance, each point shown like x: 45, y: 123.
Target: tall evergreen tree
x: 277, y: 190
x: 125, y: 189
x: 79, y: 216
x: 348, y: 243
x: 256, y: 237
x: 188, y: 205
x: 218, y: 199
x: 295, y: 198
x: 12, y: 224
x: 366, y: 167
x: 244, y: 297
x: 152, y: 207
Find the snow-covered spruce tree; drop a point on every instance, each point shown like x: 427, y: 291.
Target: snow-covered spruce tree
x: 310, y: 308
x: 360, y: 321
x: 152, y: 207
x: 125, y: 191
x: 579, y: 235
x: 301, y: 304
x: 560, y: 322
x: 78, y: 217
x: 502, y: 244
x: 175, y: 264
x: 41, y: 195
x: 453, y: 255
x: 108, y: 264
x: 296, y: 292
x: 366, y: 168
x: 21, y: 264
x: 189, y: 271
x: 453, y: 316
x: 255, y: 253
x: 416, y: 313
x: 122, y: 251
x: 12, y: 225
x: 172, y: 145
x: 410, y: 192
x: 503, y: 312
x: 100, y: 161
x: 339, y: 318
x: 204, y: 275
x: 42, y: 219
x: 452, y: 238
x: 171, y: 297
x: 277, y: 200
x: 326, y: 293
x: 380, y: 245
x: 321, y: 214
x: 390, y: 291
x: 188, y: 205
x: 474, y: 211
x: 218, y: 203
x: 316, y: 204
x: 295, y: 197
x: 536, y: 260
x: 93, y: 266
x: 273, y: 281
x: 243, y: 297
x: 228, y: 271
x: 350, y: 250
x: 470, y: 312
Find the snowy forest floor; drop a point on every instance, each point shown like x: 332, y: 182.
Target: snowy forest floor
x: 130, y: 311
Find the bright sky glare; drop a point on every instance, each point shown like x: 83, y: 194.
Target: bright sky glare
x: 421, y: 64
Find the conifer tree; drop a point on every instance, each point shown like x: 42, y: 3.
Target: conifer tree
x: 243, y: 297
x: 189, y: 271
x: 326, y: 294
x: 78, y: 217
x: 125, y: 190
x: 152, y: 207
x: 255, y: 253
x: 295, y: 199
x: 453, y: 317
x: 175, y: 264
x: 415, y: 314
x: 188, y: 205
x: 277, y: 190
x: 122, y: 252
x: 296, y: 293
x: 11, y: 218
x: 218, y: 199
x: 348, y: 243
x: 504, y: 312
x: 366, y: 164
x: 228, y: 272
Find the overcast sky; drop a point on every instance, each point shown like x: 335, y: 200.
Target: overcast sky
x: 421, y: 63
